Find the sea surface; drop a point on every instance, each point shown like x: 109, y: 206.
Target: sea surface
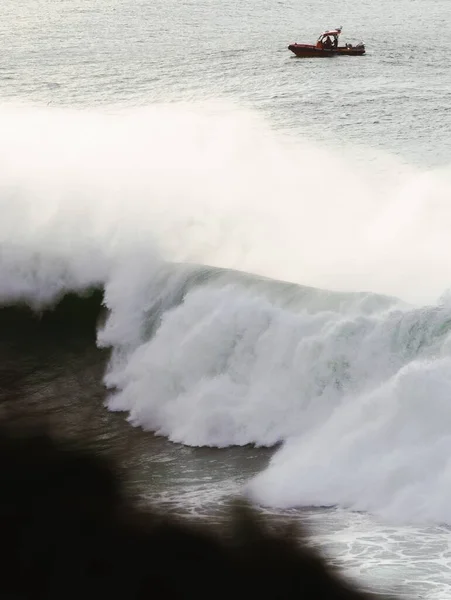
x: 231, y: 267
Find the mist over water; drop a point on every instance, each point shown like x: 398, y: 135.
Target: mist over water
x: 210, y: 184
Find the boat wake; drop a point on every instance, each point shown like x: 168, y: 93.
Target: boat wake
x: 159, y: 207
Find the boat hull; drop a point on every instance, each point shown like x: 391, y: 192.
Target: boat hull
x: 306, y: 51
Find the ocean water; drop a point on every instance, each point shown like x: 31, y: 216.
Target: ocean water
x: 236, y: 262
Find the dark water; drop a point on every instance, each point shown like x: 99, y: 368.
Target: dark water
x: 51, y: 372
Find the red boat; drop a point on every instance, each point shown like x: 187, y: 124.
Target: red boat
x: 327, y: 45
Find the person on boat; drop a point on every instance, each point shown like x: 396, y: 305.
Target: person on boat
x: 335, y: 42
x: 327, y: 44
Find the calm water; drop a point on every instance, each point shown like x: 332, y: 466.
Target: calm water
x: 398, y: 97
x: 117, y: 53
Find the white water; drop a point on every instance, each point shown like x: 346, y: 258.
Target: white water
x: 386, y: 451
x: 362, y: 398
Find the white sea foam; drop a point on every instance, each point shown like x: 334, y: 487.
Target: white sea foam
x: 359, y: 396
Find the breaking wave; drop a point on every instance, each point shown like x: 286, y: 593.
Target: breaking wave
x: 136, y: 204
